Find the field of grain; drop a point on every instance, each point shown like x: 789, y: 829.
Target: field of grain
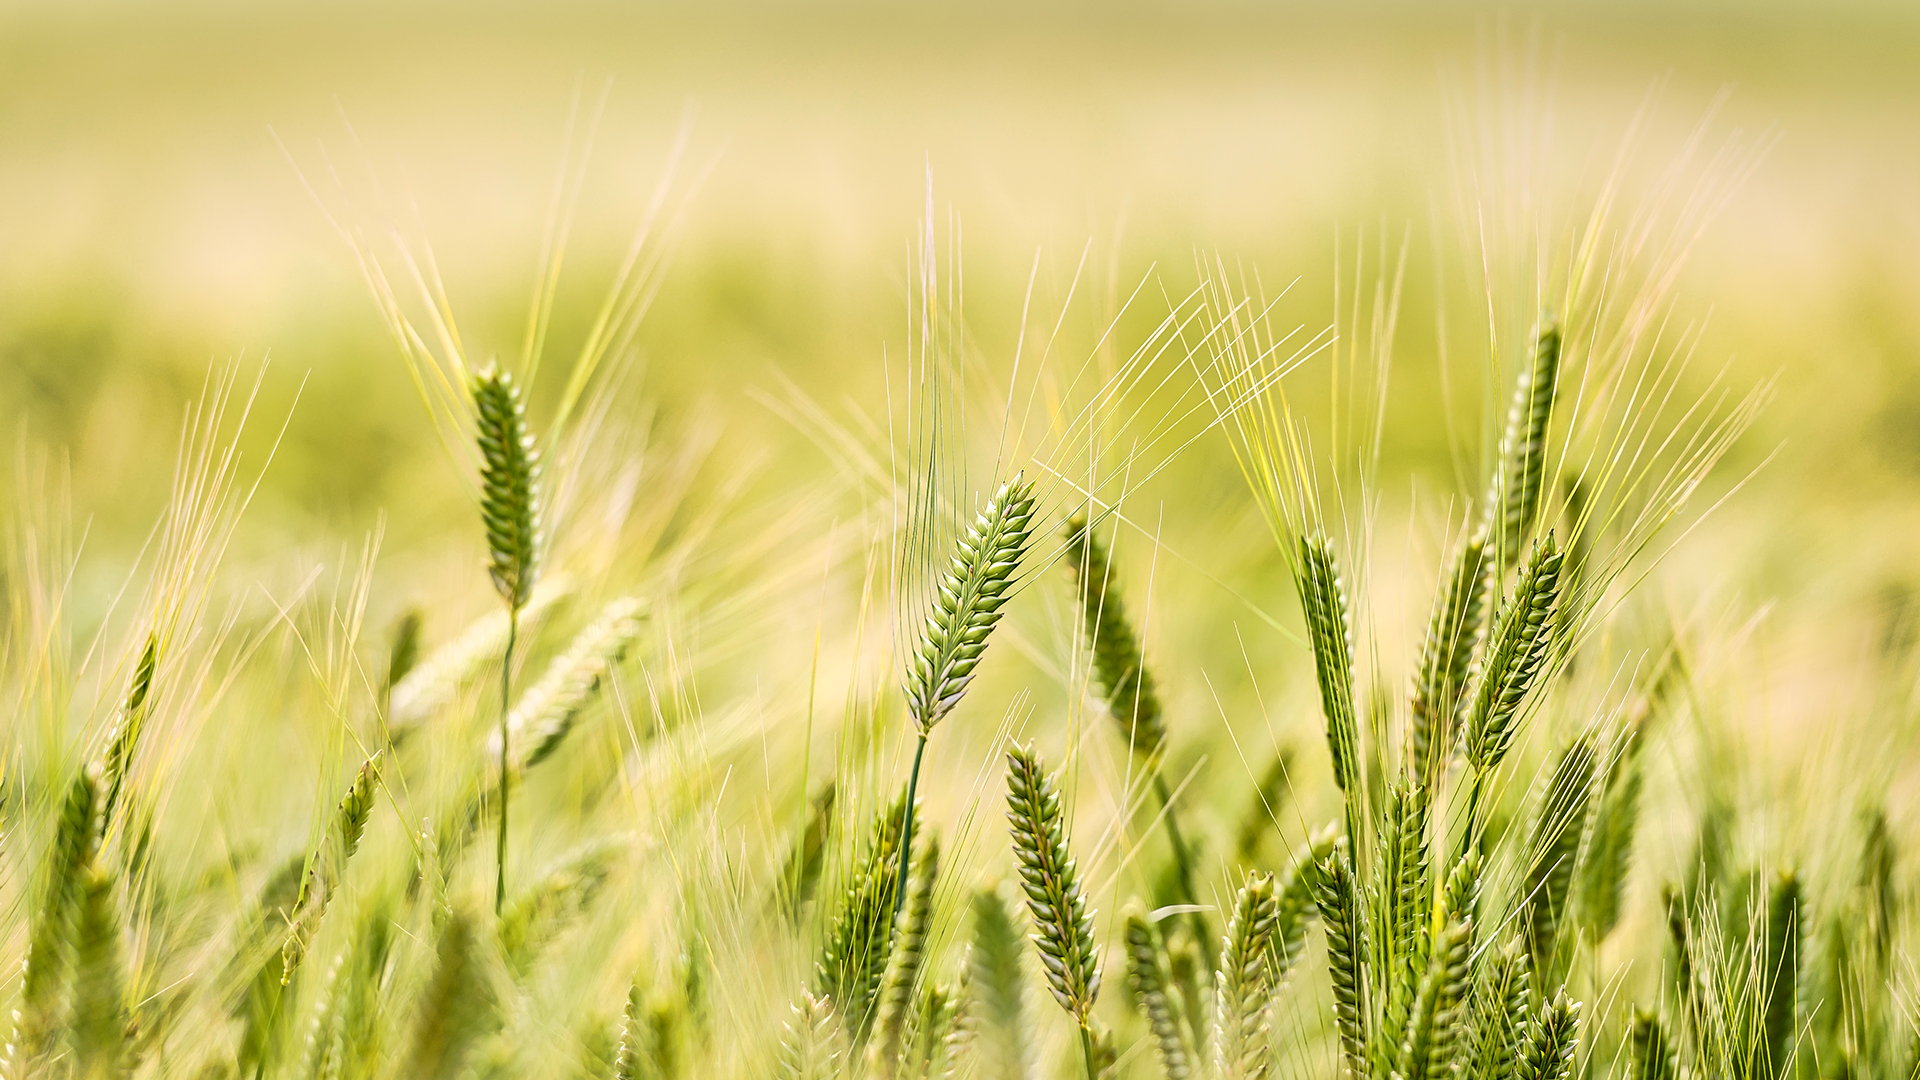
x: 761, y: 539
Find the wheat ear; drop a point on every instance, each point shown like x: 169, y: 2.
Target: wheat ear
x: 99, y: 1027
x: 904, y: 962
x: 1337, y: 894
x: 431, y: 684
x: 126, y: 733
x: 1294, y: 901
x: 972, y: 591
x: 50, y: 945
x: 455, y: 1007
x: 509, y: 497
x: 1062, y: 925
x: 996, y: 985
x: 810, y: 1046
x: 1155, y: 996
x: 1554, y: 848
x: 855, y: 956
x: 547, y: 712
x: 1426, y: 1051
x: 1404, y: 911
x: 1323, y: 598
x: 1245, y: 986
x: 1446, y: 659
x: 1119, y: 667
x: 1521, y: 475
x: 1551, y: 1042
x: 325, y: 867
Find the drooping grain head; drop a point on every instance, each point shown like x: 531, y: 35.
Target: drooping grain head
x: 509, y: 485
x: 972, y: 590
x: 1155, y: 997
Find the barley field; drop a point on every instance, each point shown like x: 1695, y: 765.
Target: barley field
x: 1009, y: 541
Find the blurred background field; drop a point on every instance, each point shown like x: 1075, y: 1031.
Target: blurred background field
x: 156, y: 223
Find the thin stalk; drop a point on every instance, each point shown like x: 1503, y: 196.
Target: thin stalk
x: 906, y: 829
x: 1086, y: 1052
x: 506, y: 701
x: 1183, y: 865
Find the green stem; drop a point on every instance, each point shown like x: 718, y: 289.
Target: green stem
x: 906, y: 830
x: 1183, y: 867
x: 1086, y: 1051
x: 506, y: 678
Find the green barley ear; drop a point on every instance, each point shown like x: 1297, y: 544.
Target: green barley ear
x: 1242, y: 1017
x: 1551, y: 1042
x: 810, y: 1047
x: 1604, y: 872
x: 854, y: 959
x: 972, y: 591
x: 1324, y: 600
x: 126, y: 732
x: 1155, y: 996
x: 1520, y: 643
x: 50, y: 946
x: 404, y: 653
x: 455, y: 1008
x: 509, y: 485
x: 99, y: 1005
x: 546, y: 713
x: 996, y: 983
x: 1523, y: 446
x: 802, y: 872
x: 627, y: 1064
x: 1782, y: 972
x: 541, y: 913
x: 1650, y: 1052
x: 1427, y: 1048
x: 1502, y: 1013
x: 1446, y: 658
x: 325, y: 867
x: 930, y: 1037
x: 1337, y: 893
x: 1405, y: 898
x: 1554, y: 849
x: 1119, y: 663
x: 433, y: 683
x: 1062, y: 925
x: 1876, y: 880
x: 904, y: 962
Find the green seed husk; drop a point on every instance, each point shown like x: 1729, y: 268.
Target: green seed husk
x: 1159, y: 1002
x: 509, y: 485
x: 996, y: 983
x: 855, y: 957
x: 1242, y: 1015
x: 99, y: 1027
x: 1551, y: 1041
x: 1324, y: 600
x: 1119, y: 664
x: 1553, y: 850
x: 546, y: 713
x: 1427, y: 1049
x: 905, y: 959
x: 1062, y: 925
x: 126, y: 732
x: 1520, y: 643
x: 1337, y: 894
x: 971, y: 593
x: 810, y: 1048
x: 455, y: 1009
x: 1523, y: 446
x: 325, y: 866
x: 1446, y: 659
